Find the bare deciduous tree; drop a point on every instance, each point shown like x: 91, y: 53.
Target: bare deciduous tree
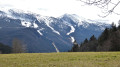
x: 0, y: 52
x: 18, y: 46
x: 109, y: 6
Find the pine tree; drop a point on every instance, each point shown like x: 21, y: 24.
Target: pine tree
x: 104, y: 36
x: 119, y: 24
x: 86, y: 41
x: 113, y: 27
x: 92, y: 38
x: 75, y: 47
x: 115, y: 40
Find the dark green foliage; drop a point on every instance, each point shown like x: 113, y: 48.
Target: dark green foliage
x: 119, y: 25
x: 75, y: 47
x: 4, y: 49
x: 92, y: 38
x: 86, y: 41
x: 109, y: 40
x: 113, y: 27
x: 89, y: 45
x: 115, y: 40
x: 103, y: 36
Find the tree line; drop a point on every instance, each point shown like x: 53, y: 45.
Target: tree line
x: 109, y: 40
x: 17, y: 47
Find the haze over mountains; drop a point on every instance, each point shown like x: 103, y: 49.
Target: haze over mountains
x: 38, y: 32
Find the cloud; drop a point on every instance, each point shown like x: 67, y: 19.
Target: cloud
x: 55, y: 8
x: 50, y: 7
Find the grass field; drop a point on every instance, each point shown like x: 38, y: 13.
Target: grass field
x: 77, y: 59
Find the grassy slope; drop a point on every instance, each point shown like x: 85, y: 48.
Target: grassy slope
x: 78, y: 59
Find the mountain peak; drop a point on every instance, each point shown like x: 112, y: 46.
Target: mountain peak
x: 38, y: 32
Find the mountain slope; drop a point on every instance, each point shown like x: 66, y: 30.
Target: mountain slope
x: 39, y: 32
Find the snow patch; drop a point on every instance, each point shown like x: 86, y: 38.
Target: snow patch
x: 71, y: 31
x: 47, y: 21
x: 35, y: 25
x: 39, y: 32
x: 85, y: 25
x: 55, y: 47
x: 38, y: 18
x: 54, y: 30
x: 48, y: 24
x: 1, y: 14
x: 26, y: 24
x: 80, y: 23
x: 41, y: 29
x: 72, y: 39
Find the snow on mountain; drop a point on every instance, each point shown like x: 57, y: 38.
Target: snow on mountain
x: 48, y: 24
x: 29, y: 24
x: 27, y: 20
x: 35, y: 25
x: 71, y: 31
x: 72, y: 39
x: 55, y: 47
x: 74, y: 17
x: 26, y: 24
x: 40, y: 31
x: 48, y: 21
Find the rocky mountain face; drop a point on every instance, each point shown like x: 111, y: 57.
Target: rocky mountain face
x: 39, y: 32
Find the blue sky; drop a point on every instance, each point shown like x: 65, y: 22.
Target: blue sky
x: 57, y: 8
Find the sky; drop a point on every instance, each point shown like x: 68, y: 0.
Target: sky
x: 57, y: 8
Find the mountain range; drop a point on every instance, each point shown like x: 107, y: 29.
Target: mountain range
x: 38, y: 32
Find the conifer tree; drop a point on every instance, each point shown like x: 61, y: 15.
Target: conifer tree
x: 113, y: 27
x: 86, y: 41
x: 92, y: 38
x: 119, y: 24
x: 75, y: 47
x: 104, y: 36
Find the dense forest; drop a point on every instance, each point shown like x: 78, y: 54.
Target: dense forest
x: 109, y: 40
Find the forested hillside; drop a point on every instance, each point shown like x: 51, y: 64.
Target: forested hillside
x: 109, y: 40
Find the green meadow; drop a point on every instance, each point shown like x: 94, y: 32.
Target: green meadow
x: 67, y: 59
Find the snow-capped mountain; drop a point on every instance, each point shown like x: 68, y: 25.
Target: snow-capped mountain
x: 39, y: 32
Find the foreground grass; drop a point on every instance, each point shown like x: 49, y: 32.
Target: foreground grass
x: 77, y: 59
